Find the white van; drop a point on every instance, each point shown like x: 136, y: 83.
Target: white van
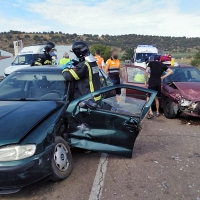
x: 29, y: 54
x: 25, y: 58
x: 143, y: 52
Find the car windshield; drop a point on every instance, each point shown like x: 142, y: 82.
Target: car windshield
x: 26, y: 59
x: 33, y: 86
x: 184, y: 74
x: 141, y: 57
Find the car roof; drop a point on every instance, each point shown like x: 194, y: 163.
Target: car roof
x: 45, y: 68
x: 173, y: 67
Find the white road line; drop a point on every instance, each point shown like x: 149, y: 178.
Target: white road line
x: 97, y: 187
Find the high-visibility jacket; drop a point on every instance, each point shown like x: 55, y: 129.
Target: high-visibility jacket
x: 100, y: 61
x: 85, y: 77
x: 63, y: 61
x: 113, y: 67
x: 44, y: 59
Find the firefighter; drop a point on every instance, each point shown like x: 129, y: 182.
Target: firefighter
x: 85, y: 73
x: 46, y: 58
x: 99, y: 60
x: 113, y: 69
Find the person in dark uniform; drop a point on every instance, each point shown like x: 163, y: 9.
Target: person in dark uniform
x: 46, y: 58
x: 156, y: 76
x: 85, y: 74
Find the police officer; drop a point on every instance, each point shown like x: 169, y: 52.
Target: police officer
x: 85, y: 73
x: 46, y: 58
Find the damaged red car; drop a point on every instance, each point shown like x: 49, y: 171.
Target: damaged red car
x: 180, y: 91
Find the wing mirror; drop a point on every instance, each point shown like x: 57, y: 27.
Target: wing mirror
x: 90, y: 103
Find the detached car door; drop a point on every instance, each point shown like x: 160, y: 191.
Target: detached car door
x: 107, y: 126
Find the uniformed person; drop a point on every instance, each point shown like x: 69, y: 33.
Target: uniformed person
x: 99, y: 60
x: 85, y: 73
x: 46, y: 58
x: 113, y: 69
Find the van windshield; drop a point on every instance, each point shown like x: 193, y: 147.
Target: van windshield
x: 26, y: 59
x: 141, y: 57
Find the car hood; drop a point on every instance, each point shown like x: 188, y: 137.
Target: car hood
x: 189, y: 90
x: 18, y: 118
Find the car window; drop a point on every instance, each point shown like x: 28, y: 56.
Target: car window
x: 184, y: 75
x: 129, y: 105
x: 25, y: 59
x: 107, y: 80
x: 135, y: 75
x: 102, y: 79
x: 33, y: 85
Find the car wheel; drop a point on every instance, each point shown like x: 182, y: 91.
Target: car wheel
x: 169, y: 109
x: 62, y: 163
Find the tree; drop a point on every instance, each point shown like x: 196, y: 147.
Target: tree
x: 197, y: 55
x: 128, y: 55
x: 105, y: 50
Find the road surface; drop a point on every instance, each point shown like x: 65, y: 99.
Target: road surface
x: 165, y: 166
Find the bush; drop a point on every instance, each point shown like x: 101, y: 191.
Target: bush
x: 27, y: 36
x: 105, y: 50
x: 195, y: 62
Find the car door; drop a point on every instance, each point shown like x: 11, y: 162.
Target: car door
x: 107, y: 126
x: 135, y: 76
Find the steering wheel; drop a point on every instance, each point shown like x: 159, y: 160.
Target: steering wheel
x: 22, y: 62
x: 192, y: 80
x: 57, y: 92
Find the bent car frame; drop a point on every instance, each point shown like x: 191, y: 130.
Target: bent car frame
x: 39, y: 123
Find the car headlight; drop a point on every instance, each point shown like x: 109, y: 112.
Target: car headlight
x: 17, y: 152
x: 184, y: 102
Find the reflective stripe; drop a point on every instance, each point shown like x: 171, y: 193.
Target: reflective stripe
x: 65, y: 70
x: 114, y: 67
x: 72, y: 72
x: 38, y: 63
x: 91, y: 83
x: 47, y: 62
x: 90, y: 77
x: 114, y: 71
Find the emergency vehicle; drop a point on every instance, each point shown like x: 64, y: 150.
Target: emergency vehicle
x: 142, y: 54
x: 25, y: 58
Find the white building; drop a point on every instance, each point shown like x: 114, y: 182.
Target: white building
x: 6, y: 59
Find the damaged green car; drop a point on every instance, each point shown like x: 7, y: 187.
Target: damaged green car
x: 39, y: 125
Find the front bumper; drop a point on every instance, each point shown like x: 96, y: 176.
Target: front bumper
x: 192, y: 110
x: 14, y: 178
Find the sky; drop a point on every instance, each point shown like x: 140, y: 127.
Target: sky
x: 113, y: 17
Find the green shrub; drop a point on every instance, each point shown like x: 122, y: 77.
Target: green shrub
x: 195, y: 62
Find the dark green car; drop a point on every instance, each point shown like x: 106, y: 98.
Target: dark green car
x: 38, y: 125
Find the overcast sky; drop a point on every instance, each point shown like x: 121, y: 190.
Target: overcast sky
x: 114, y: 17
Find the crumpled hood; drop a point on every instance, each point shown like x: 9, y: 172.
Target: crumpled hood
x: 17, y: 118
x: 189, y: 90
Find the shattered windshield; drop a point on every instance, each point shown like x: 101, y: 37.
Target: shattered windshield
x: 33, y: 86
x: 184, y: 75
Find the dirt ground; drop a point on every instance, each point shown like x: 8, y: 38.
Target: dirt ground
x: 165, y: 166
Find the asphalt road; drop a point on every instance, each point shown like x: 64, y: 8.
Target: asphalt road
x: 165, y: 166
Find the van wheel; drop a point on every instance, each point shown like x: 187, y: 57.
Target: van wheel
x: 169, y: 109
x: 62, y: 163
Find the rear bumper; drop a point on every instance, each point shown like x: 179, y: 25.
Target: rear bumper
x: 14, y: 178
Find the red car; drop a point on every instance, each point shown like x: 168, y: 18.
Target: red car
x: 180, y: 91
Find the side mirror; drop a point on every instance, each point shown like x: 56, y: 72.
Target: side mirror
x: 90, y: 103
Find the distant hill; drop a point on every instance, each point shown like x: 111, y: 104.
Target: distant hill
x: 167, y: 44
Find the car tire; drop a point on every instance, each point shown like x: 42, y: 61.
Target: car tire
x: 169, y: 109
x: 62, y: 163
